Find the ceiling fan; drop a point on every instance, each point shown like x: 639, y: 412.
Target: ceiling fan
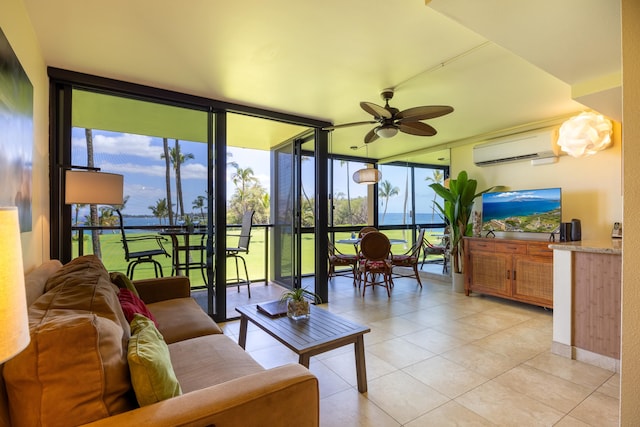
x: 391, y: 120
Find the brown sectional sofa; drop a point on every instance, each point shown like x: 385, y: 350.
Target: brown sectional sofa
x: 75, y: 369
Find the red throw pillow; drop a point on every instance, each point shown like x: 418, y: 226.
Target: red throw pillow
x: 132, y: 304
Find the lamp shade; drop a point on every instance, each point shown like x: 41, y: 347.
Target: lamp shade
x: 14, y: 323
x: 386, y: 131
x: 585, y: 134
x: 367, y: 176
x: 93, y: 188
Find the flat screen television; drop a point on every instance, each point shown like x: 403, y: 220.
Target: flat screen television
x: 533, y: 211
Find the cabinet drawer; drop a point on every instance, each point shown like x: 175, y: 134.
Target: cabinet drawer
x: 512, y: 248
x: 477, y: 245
x: 540, y: 250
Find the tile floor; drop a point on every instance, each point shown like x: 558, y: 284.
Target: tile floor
x: 437, y: 358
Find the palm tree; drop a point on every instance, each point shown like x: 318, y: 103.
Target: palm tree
x: 107, y: 219
x: 241, y: 179
x: 438, y: 177
x: 167, y: 168
x: 198, y: 203
x: 385, y: 191
x: 160, y: 210
x: 93, y: 209
x: 177, y: 159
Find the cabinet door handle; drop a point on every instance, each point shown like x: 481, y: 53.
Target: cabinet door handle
x: 514, y: 275
x: 508, y: 274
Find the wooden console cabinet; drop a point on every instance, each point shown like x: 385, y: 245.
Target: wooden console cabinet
x: 520, y: 270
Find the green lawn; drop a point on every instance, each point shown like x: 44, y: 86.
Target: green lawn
x: 113, y: 253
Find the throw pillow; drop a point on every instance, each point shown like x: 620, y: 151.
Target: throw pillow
x: 152, y: 375
x: 132, y: 305
x: 123, y: 282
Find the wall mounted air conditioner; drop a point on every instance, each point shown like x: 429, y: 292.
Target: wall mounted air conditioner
x: 523, y: 146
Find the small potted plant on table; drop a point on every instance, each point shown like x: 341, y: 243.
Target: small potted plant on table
x: 297, y: 304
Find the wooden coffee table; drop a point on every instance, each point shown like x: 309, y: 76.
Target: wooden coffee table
x: 321, y: 332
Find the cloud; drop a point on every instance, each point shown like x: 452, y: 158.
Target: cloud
x: 187, y: 171
x: 122, y: 144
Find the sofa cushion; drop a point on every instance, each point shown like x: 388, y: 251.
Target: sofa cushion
x: 132, y: 305
x: 182, y: 318
x: 81, y: 285
x: 209, y: 360
x: 73, y: 371
x: 123, y: 282
x: 35, y: 281
x: 152, y: 375
x: 81, y: 269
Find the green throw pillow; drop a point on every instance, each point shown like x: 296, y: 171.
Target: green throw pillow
x: 152, y: 375
x: 122, y: 281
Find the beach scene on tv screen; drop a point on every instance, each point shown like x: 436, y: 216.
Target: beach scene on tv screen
x: 533, y: 211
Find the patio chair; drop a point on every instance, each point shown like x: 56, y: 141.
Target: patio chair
x: 365, y: 230
x: 374, y: 261
x: 134, y: 258
x: 432, y: 249
x: 409, y: 259
x: 338, y: 259
x: 244, y: 238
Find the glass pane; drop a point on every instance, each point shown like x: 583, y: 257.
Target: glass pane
x: 394, y: 195
x: 426, y: 198
x: 350, y: 200
x: 165, y: 178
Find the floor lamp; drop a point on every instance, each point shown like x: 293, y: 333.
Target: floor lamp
x: 14, y: 323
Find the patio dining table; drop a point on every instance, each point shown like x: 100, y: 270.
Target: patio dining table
x: 186, y: 248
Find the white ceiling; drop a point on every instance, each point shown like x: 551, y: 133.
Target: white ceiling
x: 502, y: 64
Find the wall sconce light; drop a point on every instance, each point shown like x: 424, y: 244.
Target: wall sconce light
x: 92, y: 187
x: 585, y: 134
x: 14, y: 322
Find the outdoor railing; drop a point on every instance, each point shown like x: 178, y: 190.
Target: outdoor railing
x: 113, y: 252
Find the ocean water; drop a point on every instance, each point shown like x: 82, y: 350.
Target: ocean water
x: 396, y: 218
x: 504, y: 210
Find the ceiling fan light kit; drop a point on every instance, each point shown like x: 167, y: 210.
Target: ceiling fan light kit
x: 390, y: 120
x: 386, y: 131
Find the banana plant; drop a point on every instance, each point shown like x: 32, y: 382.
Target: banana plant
x: 458, y: 199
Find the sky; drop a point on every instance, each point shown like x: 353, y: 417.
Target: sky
x: 139, y: 159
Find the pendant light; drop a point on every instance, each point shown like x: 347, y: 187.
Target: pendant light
x: 367, y: 176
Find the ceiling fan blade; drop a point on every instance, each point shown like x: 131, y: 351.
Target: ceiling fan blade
x: 376, y: 110
x: 417, y: 128
x: 371, y: 136
x: 423, y: 113
x: 345, y: 125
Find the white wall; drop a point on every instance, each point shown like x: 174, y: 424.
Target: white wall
x: 591, y: 186
x: 17, y: 28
